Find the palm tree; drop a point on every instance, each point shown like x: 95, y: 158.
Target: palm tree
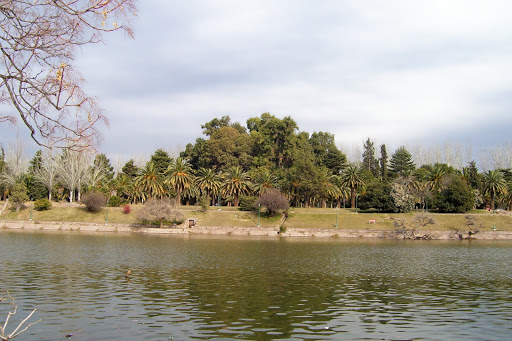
x: 149, y: 184
x: 208, y: 182
x: 352, y: 178
x: 332, y: 190
x: 435, y: 177
x: 494, y: 184
x: 236, y: 183
x: 180, y: 177
x: 124, y: 186
x: 265, y: 181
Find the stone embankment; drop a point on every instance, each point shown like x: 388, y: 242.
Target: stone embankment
x: 255, y: 231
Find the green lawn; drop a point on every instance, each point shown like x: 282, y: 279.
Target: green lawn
x: 297, y: 218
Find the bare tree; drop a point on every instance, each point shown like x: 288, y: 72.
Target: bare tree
x: 16, y: 164
x: 72, y: 171
x: 38, y: 43
x: 47, y: 173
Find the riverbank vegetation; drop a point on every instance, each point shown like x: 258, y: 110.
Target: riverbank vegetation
x: 235, y: 165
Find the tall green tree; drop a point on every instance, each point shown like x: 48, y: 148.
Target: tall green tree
x: 130, y: 169
x: 102, y: 162
x: 352, y: 178
x: 326, y: 153
x: 471, y: 175
x: 274, y: 138
x: 161, y: 161
x: 228, y: 148
x: 35, y: 188
x: 401, y: 162
x: 370, y: 162
x: 383, y: 163
x: 494, y: 185
x: 225, y: 121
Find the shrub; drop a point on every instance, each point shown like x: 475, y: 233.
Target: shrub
x: 114, y: 201
x: 204, y: 202
x: 160, y: 211
x: 42, y: 205
x: 127, y: 209
x: 273, y: 200
x: 248, y: 203
x: 424, y: 219
x: 94, y: 201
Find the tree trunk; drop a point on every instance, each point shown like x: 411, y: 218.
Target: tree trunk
x: 178, y: 197
x: 352, y: 197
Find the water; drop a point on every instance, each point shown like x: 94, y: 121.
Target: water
x: 225, y: 288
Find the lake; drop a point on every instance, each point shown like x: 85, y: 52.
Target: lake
x: 227, y: 288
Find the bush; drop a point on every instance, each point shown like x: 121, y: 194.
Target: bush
x: 42, y: 205
x: 204, y: 202
x: 94, y: 201
x: 159, y: 212
x: 248, y: 203
x: 127, y: 209
x: 114, y: 201
x: 273, y: 200
x: 423, y: 219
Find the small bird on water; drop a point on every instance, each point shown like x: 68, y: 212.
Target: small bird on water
x: 128, y: 273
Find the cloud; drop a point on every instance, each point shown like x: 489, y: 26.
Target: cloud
x: 396, y: 71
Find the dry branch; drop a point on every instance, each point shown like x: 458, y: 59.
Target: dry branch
x: 4, y: 336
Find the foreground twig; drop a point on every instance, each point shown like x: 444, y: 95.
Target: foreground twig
x: 19, y: 329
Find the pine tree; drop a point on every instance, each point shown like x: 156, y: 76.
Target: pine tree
x: 383, y: 161
x: 401, y: 162
x: 369, y: 161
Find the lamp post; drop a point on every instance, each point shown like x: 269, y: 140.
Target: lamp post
x: 259, y: 208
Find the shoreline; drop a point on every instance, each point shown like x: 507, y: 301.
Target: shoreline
x: 273, y: 232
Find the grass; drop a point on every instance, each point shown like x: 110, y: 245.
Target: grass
x: 297, y: 218
x: 348, y: 219
x: 226, y: 216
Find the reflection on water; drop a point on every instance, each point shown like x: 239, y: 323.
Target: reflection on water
x: 258, y: 289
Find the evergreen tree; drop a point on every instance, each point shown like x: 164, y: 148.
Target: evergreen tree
x: 369, y: 161
x: 161, y: 161
x: 102, y: 163
x: 35, y: 188
x: 401, y: 162
x: 326, y: 152
x: 130, y: 169
x: 383, y: 162
x: 471, y: 173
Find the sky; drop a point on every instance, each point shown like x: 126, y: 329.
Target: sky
x: 398, y: 71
